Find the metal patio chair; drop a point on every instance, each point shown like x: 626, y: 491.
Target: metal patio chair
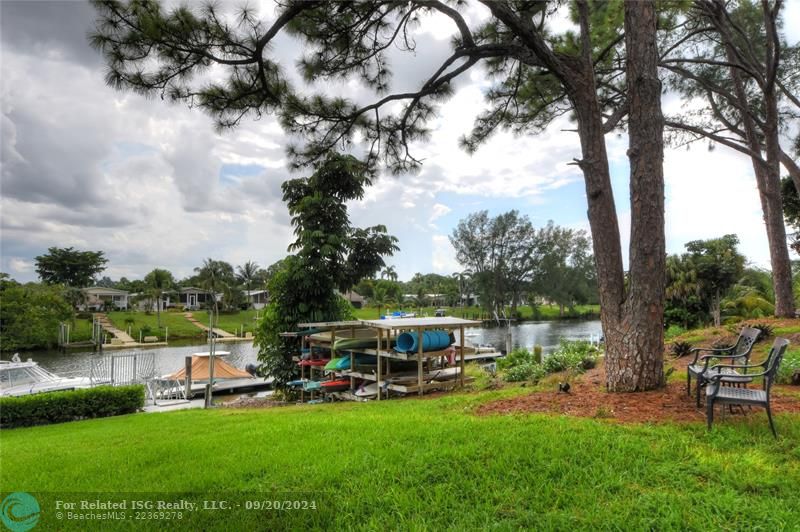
x: 738, y: 353
x: 717, y: 393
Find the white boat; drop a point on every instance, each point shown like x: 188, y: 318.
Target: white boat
x: 19, y: 378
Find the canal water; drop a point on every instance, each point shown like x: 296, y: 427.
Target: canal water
x: 169, y: 359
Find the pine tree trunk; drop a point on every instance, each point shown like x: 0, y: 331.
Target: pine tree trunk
x: 632, y: 322
x: 639, y: 364
x: 779, y: 248
x: 769, y: 189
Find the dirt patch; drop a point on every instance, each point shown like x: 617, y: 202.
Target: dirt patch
x: 588, y: 398
x: 255, y: 402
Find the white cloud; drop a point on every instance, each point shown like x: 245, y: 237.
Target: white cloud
x: 89, y: 167
x: 438, y: 211
x: 18, y: 265
x: 444, y: 256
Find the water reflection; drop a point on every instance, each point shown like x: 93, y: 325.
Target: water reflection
x: 544, y: 333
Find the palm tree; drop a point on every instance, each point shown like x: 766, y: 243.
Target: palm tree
x: 158, y: 281
x: 213, y: 277
x: 390, y: 273
x: 380, y: 298
x: 248, y: 273
x: 463, y: 279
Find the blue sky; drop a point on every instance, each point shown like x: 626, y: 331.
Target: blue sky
x: 153, y: 185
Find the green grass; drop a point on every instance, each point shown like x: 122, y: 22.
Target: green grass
x: 232, y: 322
x: 785, y: 331
x: 425, y: 464
x: 80, y: 330
x: 546, y: 312
x: 179, y: 327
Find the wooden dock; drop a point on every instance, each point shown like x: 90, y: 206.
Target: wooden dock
x: 220, y: 334
x: 121, y: 338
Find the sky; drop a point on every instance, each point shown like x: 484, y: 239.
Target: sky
x: 152, y: 184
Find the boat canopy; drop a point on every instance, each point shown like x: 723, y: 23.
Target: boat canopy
x: 200, y: 371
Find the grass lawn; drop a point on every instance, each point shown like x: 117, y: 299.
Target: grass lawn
x: 179, y: 327
x: 422, y: 464
x: 232, y: 322
x: 546, y: 312
x: 80, y: 330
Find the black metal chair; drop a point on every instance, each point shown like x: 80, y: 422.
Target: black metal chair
x: 717, y: 393
x: 738, y: 353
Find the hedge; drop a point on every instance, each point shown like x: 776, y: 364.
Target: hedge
x: 72, y: 405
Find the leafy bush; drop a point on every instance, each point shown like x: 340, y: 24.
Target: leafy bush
x: 571, y: 354
x: 72, y: 405
x: 31, y: 314
x: 517, y: 357
x: 789, y: 365
x: 681, y: 349
x: 529, y: 371
x: 673, y: 331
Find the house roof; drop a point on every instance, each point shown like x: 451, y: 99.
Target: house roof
x: 353, y: 296
x: 254, y: 292
x: 103, y: 290
x: 194, y: 289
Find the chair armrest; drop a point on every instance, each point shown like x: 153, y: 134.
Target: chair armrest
x: 704, y: 357
x: 697, y: 350
x: 711, y: 376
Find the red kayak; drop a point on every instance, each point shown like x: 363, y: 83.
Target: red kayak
x: 335, y: 386
x: 320, y: 362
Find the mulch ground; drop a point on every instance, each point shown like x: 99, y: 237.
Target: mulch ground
x: 587, y: 398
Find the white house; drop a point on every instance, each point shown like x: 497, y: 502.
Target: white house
x: 257, y: 298
x: 99, y: 298
x: 192, y: 298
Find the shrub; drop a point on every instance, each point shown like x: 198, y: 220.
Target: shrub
x: 529, y: 371
x: 681, y: 349
x: 517, y: 357
x: 673, y: 331
x: 72, y: 405
x: 571, y: 354
x: 789, y: 365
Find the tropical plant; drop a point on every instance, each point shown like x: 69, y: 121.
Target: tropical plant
x: 159, y: 281
x: 390, y: 273
x: 681, y: 349
x: 789, y: 370
x: 381, y: 298
x: 529, y: 371
x: 330, y: 254
x: 766, y: 331
x: 571, y: 354
x: 217, y: 277
x: 516, y: 357
x: 247, y: 275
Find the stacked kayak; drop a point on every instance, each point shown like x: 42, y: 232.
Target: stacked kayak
x: 337, y: 385
x: 349, y: 344
x: 343, y: 363
x: 317, y: 362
